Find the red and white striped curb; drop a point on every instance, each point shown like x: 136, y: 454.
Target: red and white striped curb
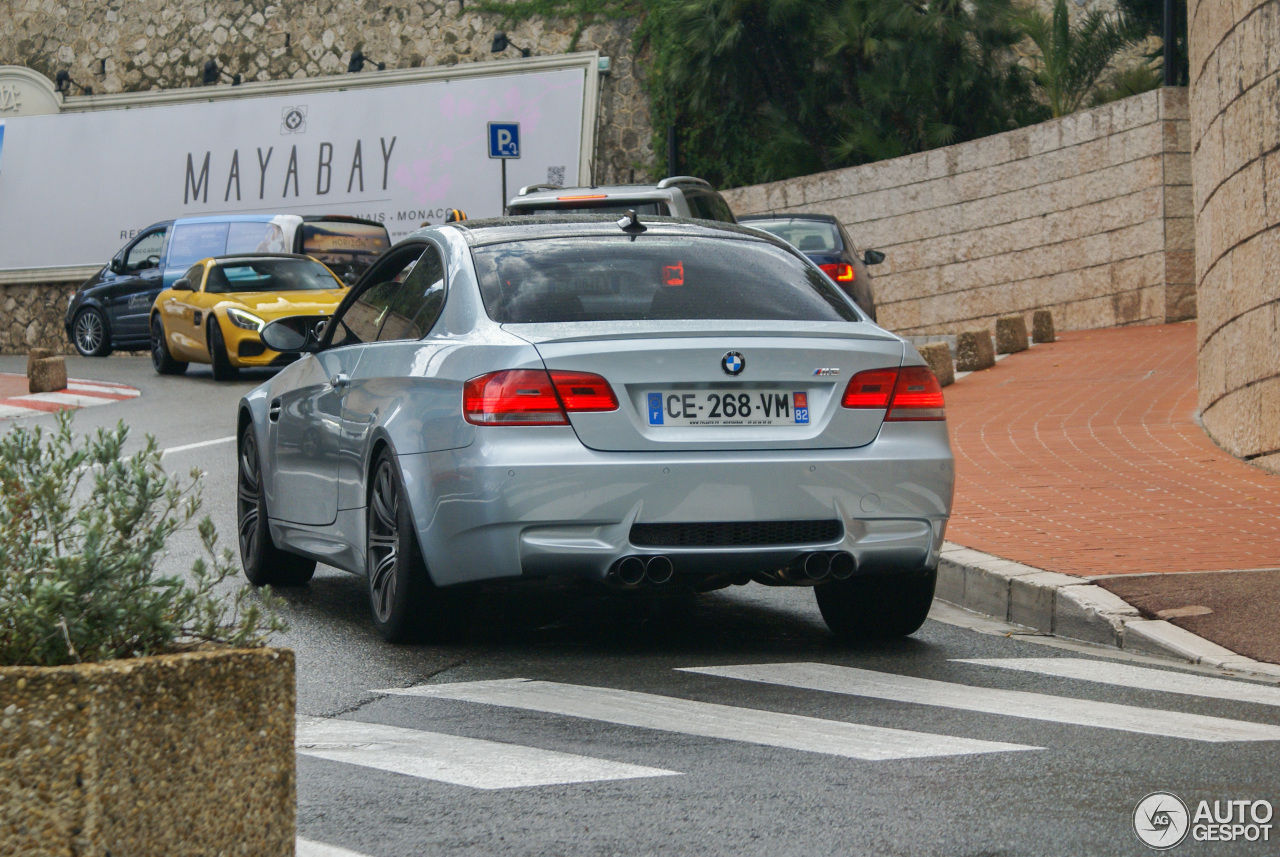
x: 79, y: 393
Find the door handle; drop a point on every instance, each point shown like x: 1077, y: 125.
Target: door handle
x: 273, y: 413
x: 339, y: 381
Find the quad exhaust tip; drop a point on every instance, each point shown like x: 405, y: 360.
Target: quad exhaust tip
x: 818, y: 566
x: 630, y: 570
x: 659, y: 569
x: 635, y: 570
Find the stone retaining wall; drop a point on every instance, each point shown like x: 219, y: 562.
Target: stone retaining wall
x: 1235, y: 73
x: 31, y: 316
x: 1088, y: 215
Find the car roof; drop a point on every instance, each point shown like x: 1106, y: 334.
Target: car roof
x: 234, y: 218
x: 258, y: 257
x: 501, y: 230
x: 826, y: 218
x: 639, y: 192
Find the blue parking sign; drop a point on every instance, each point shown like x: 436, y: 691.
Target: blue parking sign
x: 504, y: 139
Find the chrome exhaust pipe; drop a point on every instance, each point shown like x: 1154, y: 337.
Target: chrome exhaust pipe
x: 843, y: 565
x: 659, y: 569
x: 629, y: 570
x: 817, y: 565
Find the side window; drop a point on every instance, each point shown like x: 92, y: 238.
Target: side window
x: 194, y: 275
x: 360, y: 320
x: 720, y: 209
x: 698, y: 205
x: 416, y: 305
x: 140, y: 254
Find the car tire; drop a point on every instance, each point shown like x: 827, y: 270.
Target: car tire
x: 222, y: 368
x: 89, y: 333
x: 161, y: 360
x: 877, y: 606
x: 262, y: 561
x: 407, y: 607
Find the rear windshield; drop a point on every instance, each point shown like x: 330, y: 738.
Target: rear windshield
x: 660, y: 277
x: 269, y: 275
x: 605, y: 207
x: 347, y: 248
x: 807, y: 236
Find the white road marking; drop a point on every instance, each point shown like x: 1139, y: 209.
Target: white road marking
x: 709, y: 720
x: 451, y: 759
x: 1010, y: 703
x: 1139, y: 678
x: 307, y: 848
x: 186, y: 447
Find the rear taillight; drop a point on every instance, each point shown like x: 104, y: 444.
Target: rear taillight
x: 533, y: 397
x: 840, y: 272
x: 908, y: 394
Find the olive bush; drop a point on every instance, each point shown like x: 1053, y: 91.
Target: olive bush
x: 83, y: 529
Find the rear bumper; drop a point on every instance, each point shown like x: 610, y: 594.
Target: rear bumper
x: 536, y: 502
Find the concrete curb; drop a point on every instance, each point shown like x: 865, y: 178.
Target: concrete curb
x: 1072, y: 607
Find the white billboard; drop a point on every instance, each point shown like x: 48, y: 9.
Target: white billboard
x: 75, y: 186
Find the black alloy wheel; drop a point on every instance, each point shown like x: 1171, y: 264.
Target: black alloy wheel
x: 877, y: 606
x: 161, y: 360
x: 263, y: 562
x: 222, y: 368
x: 407, y: 607
x: 89, y: 333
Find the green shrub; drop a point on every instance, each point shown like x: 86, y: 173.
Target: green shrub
x: 82, y: 531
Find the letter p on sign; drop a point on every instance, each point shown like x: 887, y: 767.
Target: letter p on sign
x: 504, y: 140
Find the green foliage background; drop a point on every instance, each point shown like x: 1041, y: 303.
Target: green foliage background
x: 761, y: 90
x: 83, y: 529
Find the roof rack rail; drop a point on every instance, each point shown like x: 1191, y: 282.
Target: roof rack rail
x: 528, y: 189
x: 673, y: 180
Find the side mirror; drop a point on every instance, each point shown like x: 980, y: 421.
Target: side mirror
x: 873, y: 257
x: 182, y: 285
x: 293, y: 335
x: 116, y: 266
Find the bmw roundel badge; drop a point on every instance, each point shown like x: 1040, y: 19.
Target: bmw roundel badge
x: 733, y: 363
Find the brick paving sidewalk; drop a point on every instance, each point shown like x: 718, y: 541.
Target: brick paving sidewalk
x: 1084, y: 457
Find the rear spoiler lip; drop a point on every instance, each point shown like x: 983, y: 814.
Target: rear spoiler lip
x: 538, y: 333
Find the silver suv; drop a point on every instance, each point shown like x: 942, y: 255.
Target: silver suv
x: 678, y: 196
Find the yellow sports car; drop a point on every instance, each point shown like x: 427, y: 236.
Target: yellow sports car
x: 214, y: 312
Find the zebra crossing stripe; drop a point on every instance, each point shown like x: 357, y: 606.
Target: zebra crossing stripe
x: 307, y: 848
x: 452, y: 759
x: 710, y: 720
x: 1010, y: 703
x: 1138, y: 678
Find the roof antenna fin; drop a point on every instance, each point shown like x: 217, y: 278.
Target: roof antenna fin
x: 630, y: 223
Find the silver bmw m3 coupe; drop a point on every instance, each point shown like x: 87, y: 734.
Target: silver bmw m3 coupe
x: 630, y: 403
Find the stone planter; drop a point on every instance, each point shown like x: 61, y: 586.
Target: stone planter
x: 188, y: 754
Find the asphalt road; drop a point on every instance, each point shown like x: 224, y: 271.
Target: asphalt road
x: 627, y: 736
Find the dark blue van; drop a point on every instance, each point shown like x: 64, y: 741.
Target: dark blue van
x: 111, y: 309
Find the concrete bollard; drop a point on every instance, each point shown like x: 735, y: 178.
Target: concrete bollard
x: 1042, y: 326
x: 47, y: 375
x: 938, y: 356
x: 974, y: 351
x: 1011, y: 334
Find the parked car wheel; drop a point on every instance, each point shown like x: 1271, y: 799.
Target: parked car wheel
x: 222, y: 368
x: 876, y: 607
x: 407, y: 607
x: 161, y: 359
x: 89, y: 333
x: 263, y: 562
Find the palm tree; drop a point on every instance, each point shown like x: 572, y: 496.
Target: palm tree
x: 1074, y: 56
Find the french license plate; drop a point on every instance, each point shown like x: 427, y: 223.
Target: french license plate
x: 738, y: 407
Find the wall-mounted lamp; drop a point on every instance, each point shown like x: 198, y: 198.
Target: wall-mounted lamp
x: 212, y: 74
x: 63, y: 84
x: 501, y: 43
x: 357, y: 62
